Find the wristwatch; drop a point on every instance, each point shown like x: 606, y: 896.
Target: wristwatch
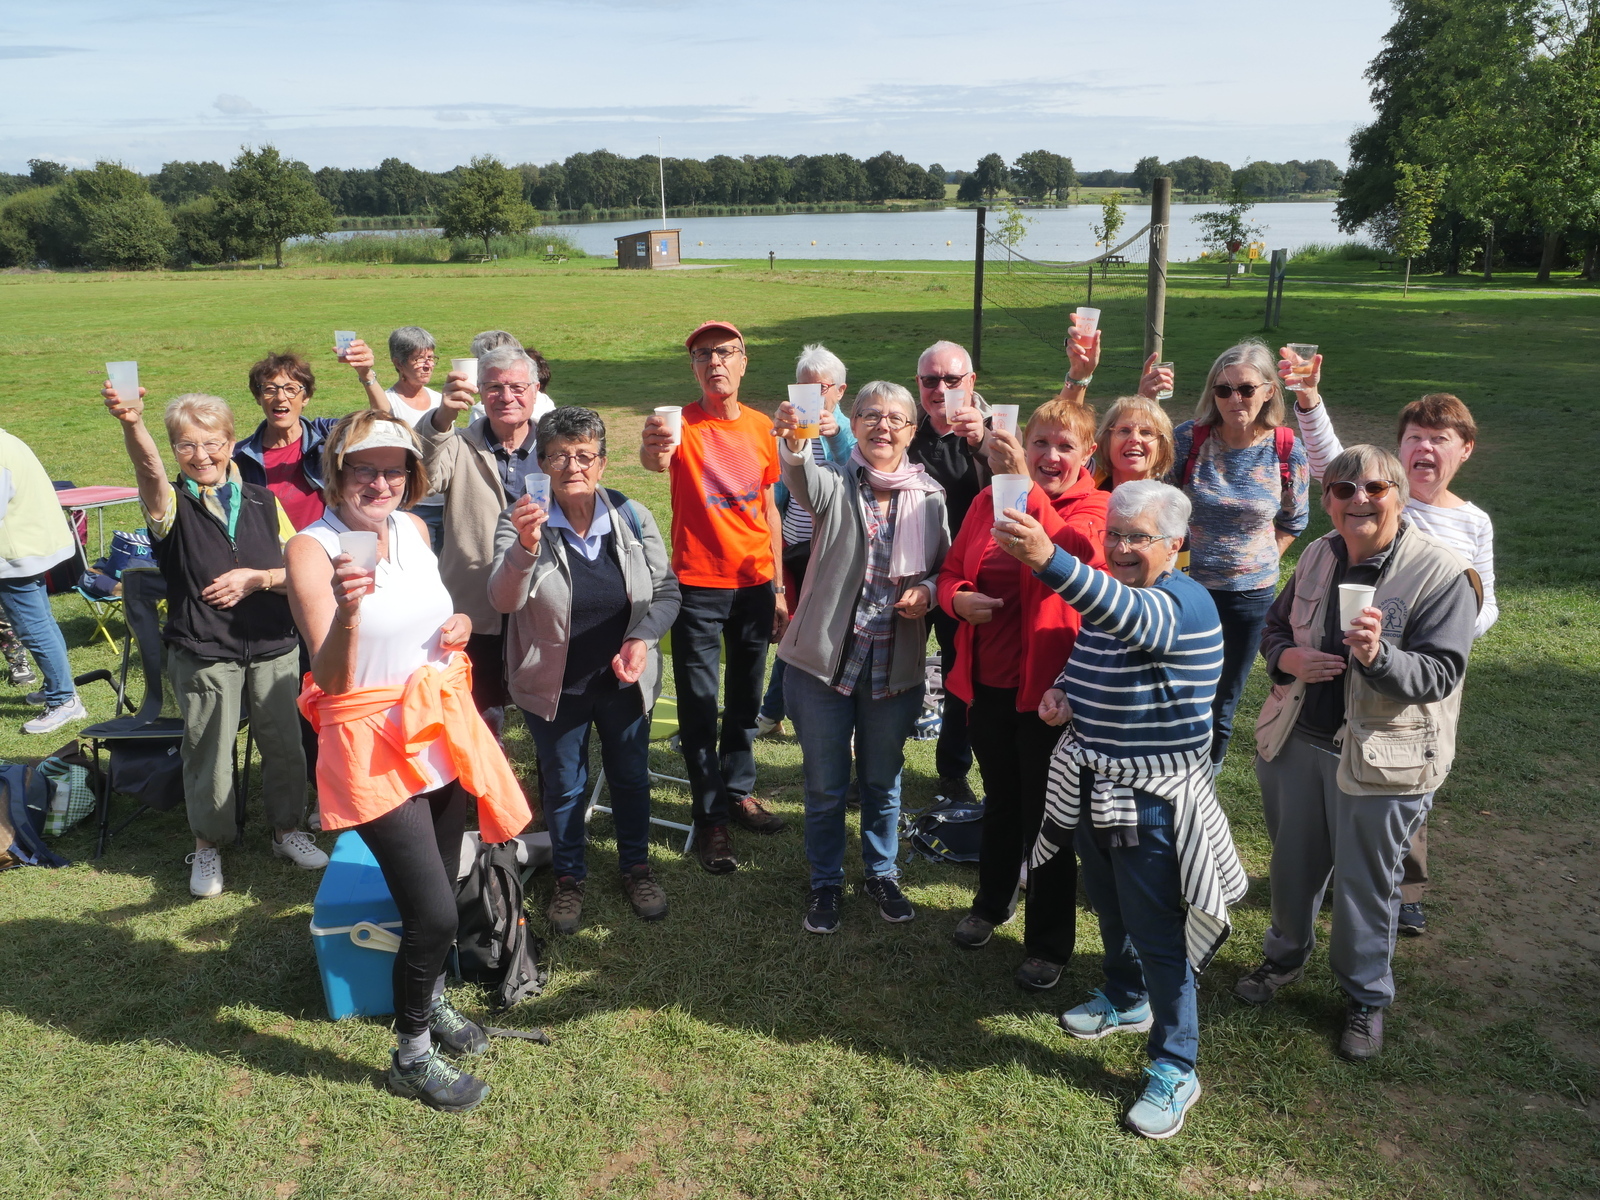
x: 778, y: 589
x: 1083, y: 383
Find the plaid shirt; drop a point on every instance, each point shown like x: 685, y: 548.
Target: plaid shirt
x: 871, y: 634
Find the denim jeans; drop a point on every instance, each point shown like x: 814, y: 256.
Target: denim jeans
x: 1136, y: 892
x: 772, y: 703
x: 28, y: 606
x: 711, y: 619
x: 823, y: 721
x: 1243, y: 615
x: 619, y: 718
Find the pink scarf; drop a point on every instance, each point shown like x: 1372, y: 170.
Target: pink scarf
x: 909, y: 554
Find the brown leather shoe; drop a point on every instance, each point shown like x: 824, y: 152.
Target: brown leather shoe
x: 749, y: 813
x: 648, y: 898
x: 566, y: 907
x: 714, y: 848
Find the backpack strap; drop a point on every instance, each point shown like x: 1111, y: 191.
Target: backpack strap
x: 625, y: 506
x: 1197, y: 435
x: 1283, y: 442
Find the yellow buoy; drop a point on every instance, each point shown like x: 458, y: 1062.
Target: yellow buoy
x: 813, y: 241
x: 947, y: 242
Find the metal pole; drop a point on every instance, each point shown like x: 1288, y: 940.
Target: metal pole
x: 977, y: 294
x: 661, y: 168
x: 1155, y: 295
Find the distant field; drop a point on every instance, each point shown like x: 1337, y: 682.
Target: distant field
x: 155, y: 1046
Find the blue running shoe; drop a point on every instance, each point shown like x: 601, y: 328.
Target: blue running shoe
x: 1169, y: 1094
x: 1097, y: 1016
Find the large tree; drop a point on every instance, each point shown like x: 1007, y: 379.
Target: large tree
x: 268, y: 199
x: 486, y: 202
x: 1043, y: 175
x: 180, y: 182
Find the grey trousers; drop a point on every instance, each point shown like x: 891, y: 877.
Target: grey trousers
x: 210, y: 696
x: 1318, y: 832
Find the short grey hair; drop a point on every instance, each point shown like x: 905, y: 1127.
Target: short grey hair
x: 493, y: 339
x: 407, y: 340
x: 817, y: 360
x: 1357, y: 464
x: 1139, y: 496
x: 199, y: 410
x: 882, y: 390
x: 504, y: 358
x: 940, y: 346
x: 1252, y: 353
x: 570, y: 424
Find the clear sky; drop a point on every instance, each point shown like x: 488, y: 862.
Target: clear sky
x: 348, y: 84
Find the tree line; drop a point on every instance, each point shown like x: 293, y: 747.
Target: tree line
x: 1486, y: 145
x: 1042, y: 175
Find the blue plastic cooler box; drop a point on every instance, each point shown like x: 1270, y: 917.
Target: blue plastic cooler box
x: 355, y: 928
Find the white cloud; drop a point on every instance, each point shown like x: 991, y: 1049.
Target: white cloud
x: 235, y: 106
x: 451, y: 114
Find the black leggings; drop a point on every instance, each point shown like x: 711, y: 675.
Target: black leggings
x: 418, y: 848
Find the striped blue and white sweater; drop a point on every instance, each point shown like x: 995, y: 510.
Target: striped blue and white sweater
x: 1140, y: 682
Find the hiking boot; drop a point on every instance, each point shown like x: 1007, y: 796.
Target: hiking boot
x: 714, y: 848
x: 892, y: 903
x: 1362, y: 1038
x: 751, y: 814
x: 973, y: 932
x: 955, y: 791
x: 22, y: 674
x: 205, y: 873
x: 1038, y: 974
x: 57, y: 715
x: 822, y: 910
x: 1169, y: 1094
x: 454, y: 1032
x: 648, y: 898
x: 34, y: 697
x: 566, y: 906
x: 1263, y: 983
x: 768, y: 727
x: 1097, y: 1016
x: 1413, y: 920
x: 436, y: 1083
x: 299, y: 849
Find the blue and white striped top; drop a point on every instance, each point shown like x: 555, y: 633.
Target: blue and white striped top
x: 1143, y: 674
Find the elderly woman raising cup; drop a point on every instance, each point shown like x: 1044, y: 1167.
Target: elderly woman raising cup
x: 857, y: 643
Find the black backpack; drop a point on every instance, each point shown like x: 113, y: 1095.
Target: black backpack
x: 950, y: 831
x: 493, y: 943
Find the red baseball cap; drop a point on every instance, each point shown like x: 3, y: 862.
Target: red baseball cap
x: 689, y: 341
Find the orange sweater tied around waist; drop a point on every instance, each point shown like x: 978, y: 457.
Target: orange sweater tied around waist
x: 366, y: 766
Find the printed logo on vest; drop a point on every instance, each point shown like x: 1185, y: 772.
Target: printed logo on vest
x: 1394, y: 618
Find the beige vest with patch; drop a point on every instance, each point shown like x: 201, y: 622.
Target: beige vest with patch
x: 1388, y: 747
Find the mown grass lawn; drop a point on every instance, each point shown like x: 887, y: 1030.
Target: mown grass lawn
x: 157, y: 1046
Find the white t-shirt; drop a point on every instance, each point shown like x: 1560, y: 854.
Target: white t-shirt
x: 400, y: 621
x: 401, y: 407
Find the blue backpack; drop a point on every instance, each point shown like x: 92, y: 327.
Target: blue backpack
x: 26, y: 803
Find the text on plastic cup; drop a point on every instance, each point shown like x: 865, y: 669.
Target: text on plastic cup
x: 1010, y: 491
x: 362, y: 547
x: 1088, y: 321
x: 342, y: 339
x: 807, y: 401
x: 537, y: 488
x: 124, y: 377
x: 1004, y: 416
x: 1353, y: 597
x: 467, y: 367
x: 672, y: 414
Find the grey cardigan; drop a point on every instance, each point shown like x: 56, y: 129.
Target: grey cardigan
x: 824, y: 615
x: 537, y: 592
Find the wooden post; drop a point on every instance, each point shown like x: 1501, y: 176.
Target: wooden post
x: 772, y: 260
x: 1088, y: 300
x: 1155, y: 293
x: 977, y: 294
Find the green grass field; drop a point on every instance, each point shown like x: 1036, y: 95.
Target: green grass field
x: 157, y: 1046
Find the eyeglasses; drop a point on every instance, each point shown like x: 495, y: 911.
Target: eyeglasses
x: 720, y: 353
x: 519, y: 390
x: 423, y: 360
x: 1133, y: 541
x: 892, y: 421
x: 933, y: 381
x: 188, y: 448
x: 562, y: 461
x: 1127, y: 431
x: 1246, y: 390
x: 287, y: 390
x: 395, y: 477
x: 1344, y: 489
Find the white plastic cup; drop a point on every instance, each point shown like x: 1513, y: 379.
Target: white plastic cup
x: 954, y: 402
x: 536, y: 486
x: 807, y: 401
x: 1166, y: 392
x: 1302, y: 357
x: 1004, y: 416
x: 1353, y: 597
x: 341, y: 341
x: 1088, y: 321
x: 672, y: 414
x: 362, y: 547
x: 467, y: 367
x: 1010, y: 491
x: 124, y: 377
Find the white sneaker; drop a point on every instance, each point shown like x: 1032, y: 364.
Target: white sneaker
x: 57, y: 715
x: 205, y: 873
x: 767, y: 727
x: 299, y: 849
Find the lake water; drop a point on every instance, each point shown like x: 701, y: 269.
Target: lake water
x: 1056, y: 234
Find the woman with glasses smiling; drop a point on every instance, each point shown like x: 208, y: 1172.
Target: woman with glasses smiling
x: 1247, y: 478
x: 219, y: 543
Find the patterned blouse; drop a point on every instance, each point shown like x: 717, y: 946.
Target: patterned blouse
x: 872, y: 632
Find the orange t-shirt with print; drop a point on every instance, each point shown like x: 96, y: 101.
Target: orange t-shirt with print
x: 720, y: 474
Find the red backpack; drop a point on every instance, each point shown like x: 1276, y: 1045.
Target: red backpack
x: 1282, y: 441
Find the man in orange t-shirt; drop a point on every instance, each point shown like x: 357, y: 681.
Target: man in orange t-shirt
x: 726, y: 540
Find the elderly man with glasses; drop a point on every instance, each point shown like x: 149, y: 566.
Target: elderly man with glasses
x: 727, y: 543
x: 480, y: 470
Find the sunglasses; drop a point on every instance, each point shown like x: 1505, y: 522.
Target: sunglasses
x: 1346, y: 490
x: 1246, y: 390
x: 933, y: 381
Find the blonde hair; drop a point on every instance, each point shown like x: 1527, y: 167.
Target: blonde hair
x: 1125, y: 406
x: 1252, y: 353
x: 1075, y: 415
x: 199, y: 410
x: 352, y: 431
